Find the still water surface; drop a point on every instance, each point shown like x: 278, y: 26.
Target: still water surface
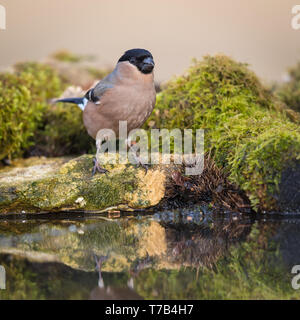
x: 181, y: 254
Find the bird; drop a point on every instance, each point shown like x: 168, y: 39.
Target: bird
x: 126, y: 94
x: 110, y: 292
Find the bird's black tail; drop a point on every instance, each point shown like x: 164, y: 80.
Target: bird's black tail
x: 77, y: 101
x: 81, y: 102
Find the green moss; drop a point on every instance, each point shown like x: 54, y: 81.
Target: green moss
x: 71, y: 186
x: 29, y: 123
x: 45, y: 84
x: 106, y: 192
x: 289, y: 92
x: 61, y: 189
x: 23, y: 97
x: 67, y: 56
x: 247, y: 130
x: 62, y: 132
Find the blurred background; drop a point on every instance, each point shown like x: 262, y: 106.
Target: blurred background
x: 253, y: 31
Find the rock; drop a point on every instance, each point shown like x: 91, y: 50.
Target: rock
x: 289, y: 195
x: 49, y: 185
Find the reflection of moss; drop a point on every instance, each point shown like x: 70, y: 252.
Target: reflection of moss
x: 247, y: 130
x: 41, y: 281
x: 251, y: 271
x: 246, y: 266
x: 128, y: 242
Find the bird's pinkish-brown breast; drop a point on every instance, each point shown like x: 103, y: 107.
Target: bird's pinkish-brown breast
x: 131, y: 98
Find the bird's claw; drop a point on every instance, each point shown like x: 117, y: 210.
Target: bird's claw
x: 99, y: 261
x: 144, y: 166
x: 98, y: 168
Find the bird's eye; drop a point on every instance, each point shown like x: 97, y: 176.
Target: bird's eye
x: 132, y: 60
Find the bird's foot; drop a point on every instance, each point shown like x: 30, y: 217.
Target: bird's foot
x: 146, y: 167
x: 98, y: 168
x: 6, y: 162
x: 99, y: 261
x: 139, y: 164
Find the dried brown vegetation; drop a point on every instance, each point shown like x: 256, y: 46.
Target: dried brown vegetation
x: 211, y: 186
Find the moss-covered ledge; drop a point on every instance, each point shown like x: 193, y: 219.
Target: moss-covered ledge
x: 248, y: 131
x: 58, y: 184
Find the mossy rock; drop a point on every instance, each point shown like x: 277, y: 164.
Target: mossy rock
x: 250, y: 134
x: 53, y: 185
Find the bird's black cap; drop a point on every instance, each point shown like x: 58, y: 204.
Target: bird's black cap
x: 140, y: 58
x: 135, y: 53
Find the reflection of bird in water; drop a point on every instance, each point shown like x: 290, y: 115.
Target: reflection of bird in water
x: 103, y: 292
x: 140, y: 265
x: 98, y: 268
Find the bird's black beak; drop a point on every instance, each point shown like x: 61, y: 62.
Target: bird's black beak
x: 148, y: 65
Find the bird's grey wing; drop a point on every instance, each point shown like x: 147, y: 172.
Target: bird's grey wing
x: 97, y: 92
